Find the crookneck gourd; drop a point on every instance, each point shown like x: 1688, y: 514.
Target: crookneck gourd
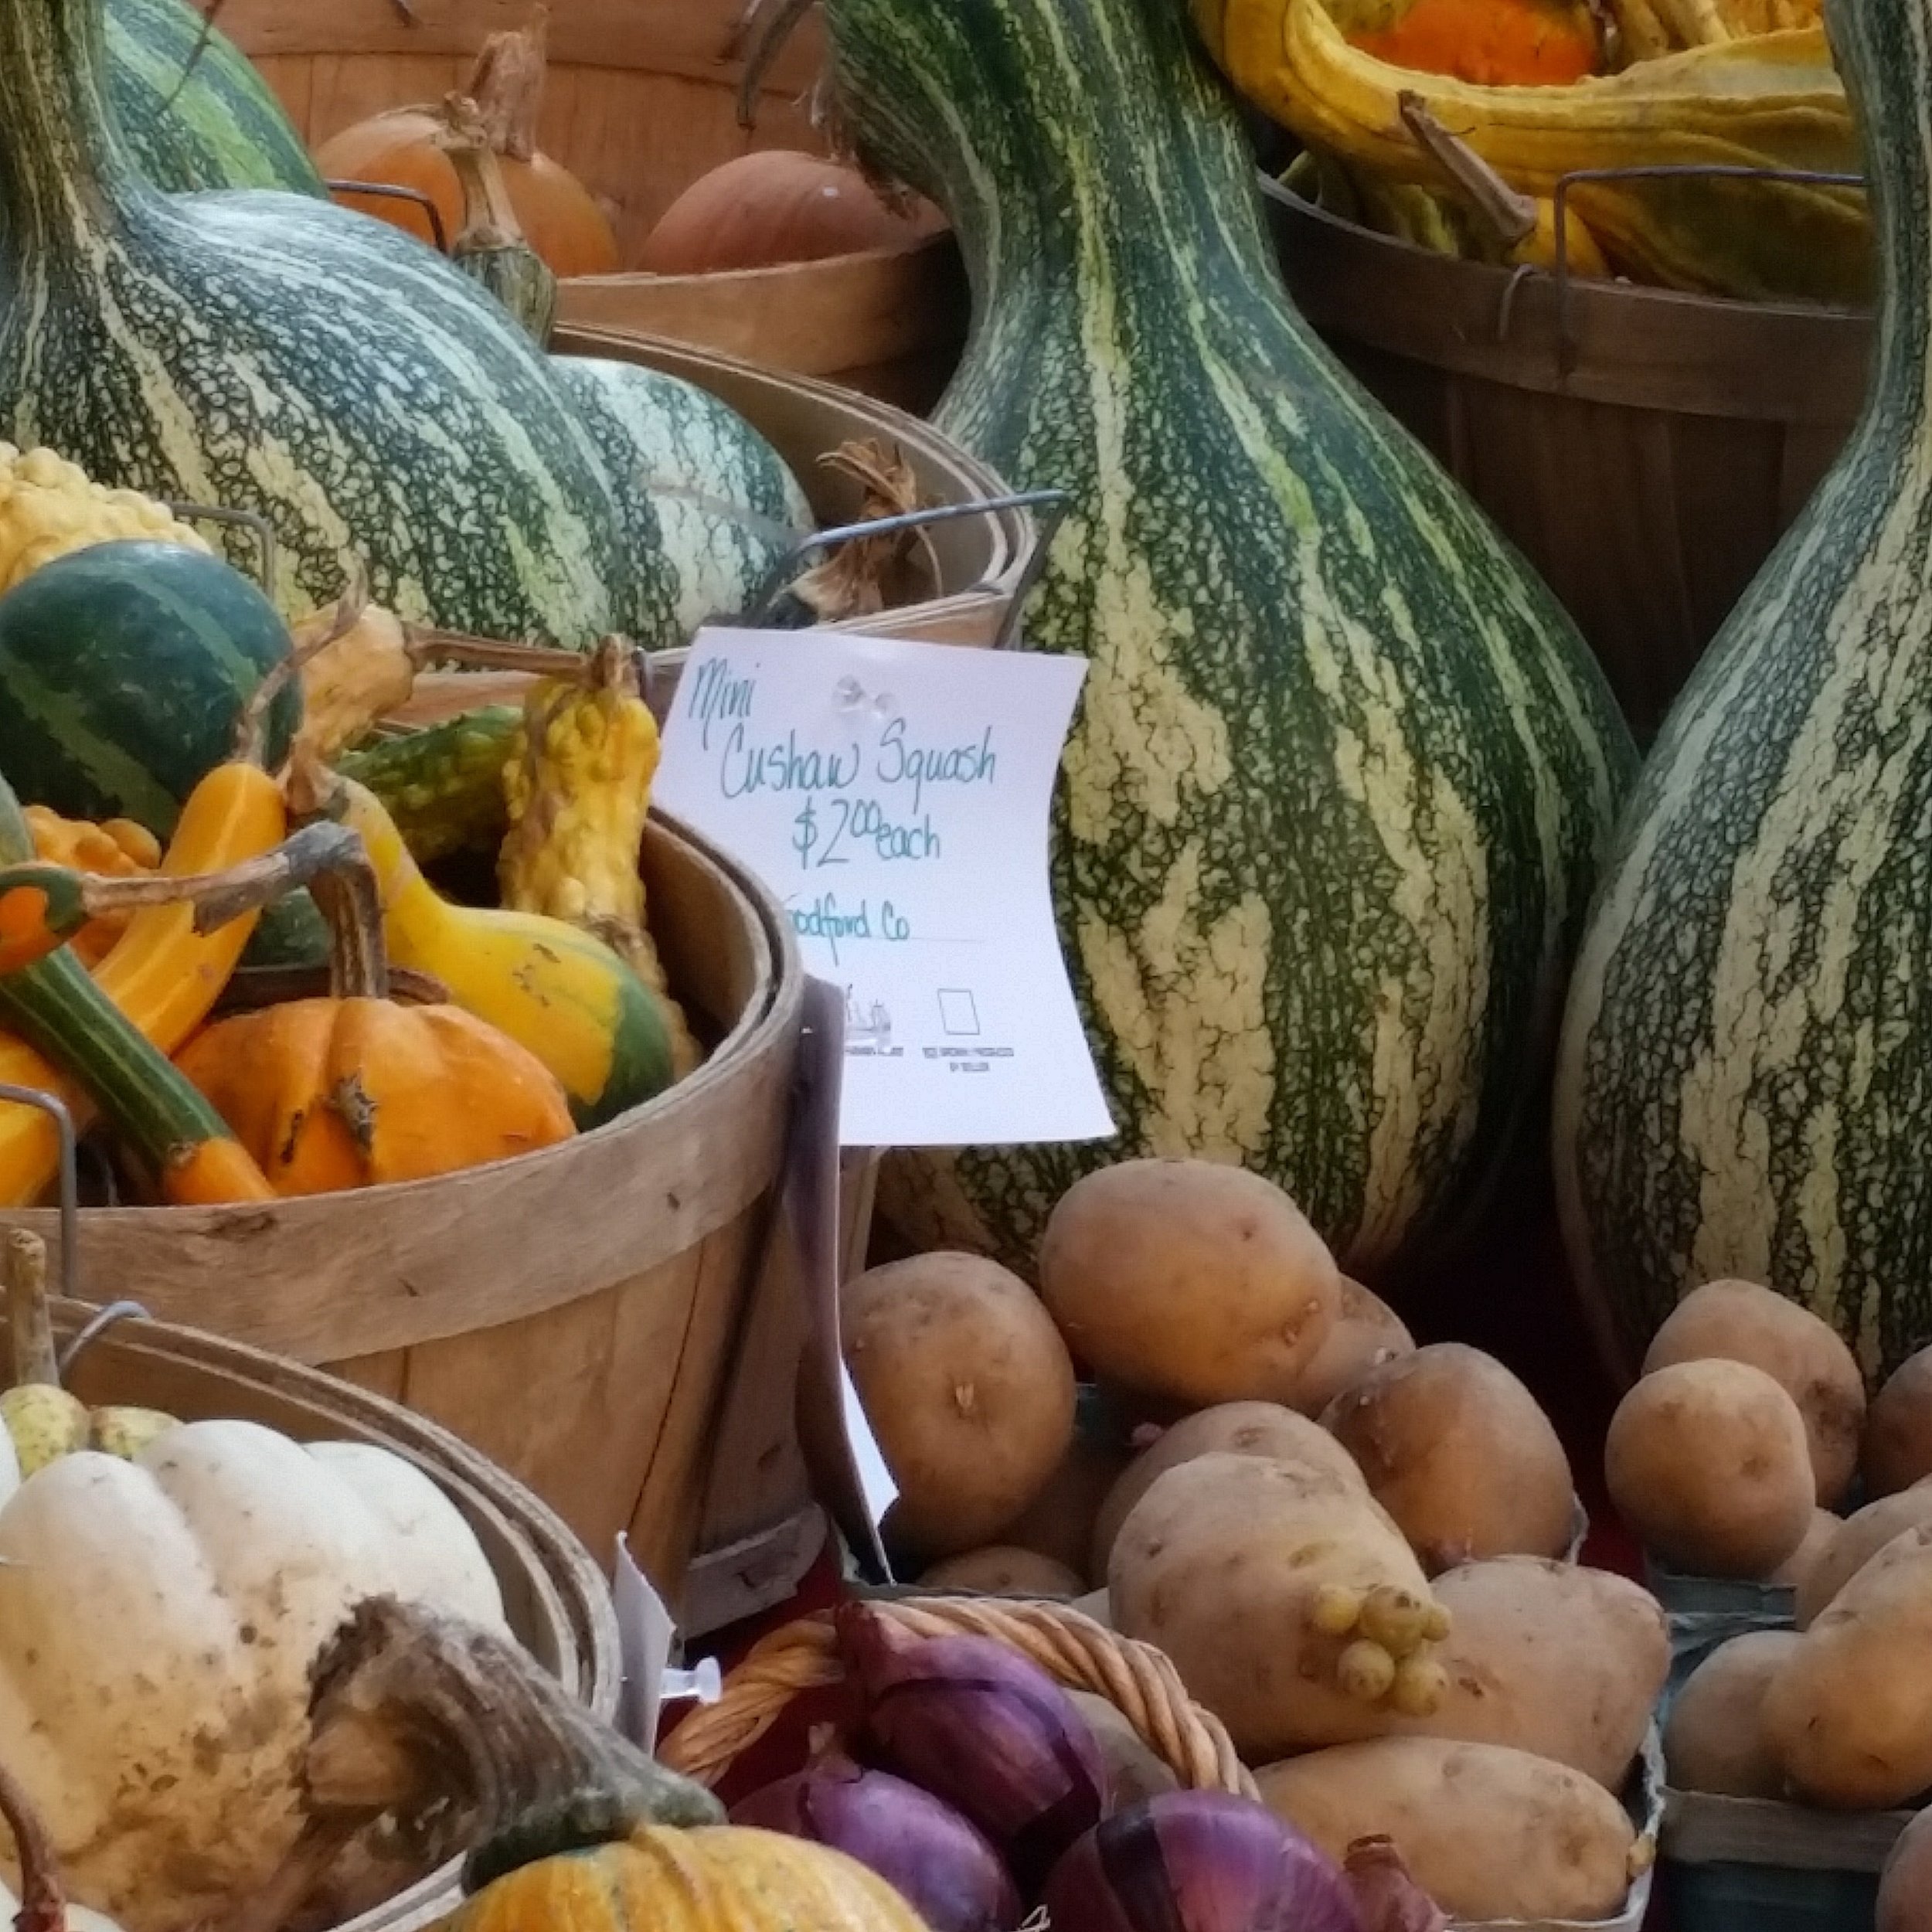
x: 1747, y: 1067
x: 1334, y: 802
x: 271, y: 353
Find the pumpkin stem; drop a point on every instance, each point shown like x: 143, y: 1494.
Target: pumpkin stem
x: 36, y: 1363
x: 489, y: 220
x: 507, y: 85
x: 347, y: 895
x: 859, y: 579
x: 459, y: 1736
x: 42, y: 1907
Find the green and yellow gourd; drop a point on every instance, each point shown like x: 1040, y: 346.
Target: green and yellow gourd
x: 274, y: 353
x: 193, y: 112
x: 1335, y: 798
x: 1746, y: 1073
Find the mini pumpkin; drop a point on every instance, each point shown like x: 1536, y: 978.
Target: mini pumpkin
x: 357, y: 1090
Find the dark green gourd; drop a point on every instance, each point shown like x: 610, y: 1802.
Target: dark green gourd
x: 270, y: 353
x: 194, y: 112
x: 1745, y: 1078
x: 1343, y: 771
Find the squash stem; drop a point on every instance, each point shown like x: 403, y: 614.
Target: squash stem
x: 507, y: 85
x: 458, y: 1737
x: 36, y: 1363
x: 42, y: 1907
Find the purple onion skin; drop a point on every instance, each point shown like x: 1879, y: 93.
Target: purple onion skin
x: 941, y: 1864
x: 977, y: 1725
x: 1198, y: 1861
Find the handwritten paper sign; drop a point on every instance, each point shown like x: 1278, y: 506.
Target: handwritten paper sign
x: 894, y: 797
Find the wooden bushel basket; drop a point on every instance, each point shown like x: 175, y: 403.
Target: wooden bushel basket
x: 642, y: 100
x: 1644, y: 449
x: 553, y: 1595
x: 572, y: 1314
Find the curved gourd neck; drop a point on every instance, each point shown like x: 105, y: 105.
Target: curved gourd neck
x: 1057, y: 133
x: 62, y: 170
x: 1883, y: 48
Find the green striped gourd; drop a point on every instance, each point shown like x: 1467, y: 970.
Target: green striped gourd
x: 1746, y: 1073
x: 270, y: 353
x: 192, y: 109
x: 1336, y: 797
x: 726, y: 507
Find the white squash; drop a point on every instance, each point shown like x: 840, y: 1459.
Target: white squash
x: 157, y: 1621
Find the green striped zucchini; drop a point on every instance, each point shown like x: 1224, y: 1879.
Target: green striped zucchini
x: 1333, y: 806
x: 191, y: 108
x: 272, y: 353
x: 726, y: 506
x: 1746, y: 1075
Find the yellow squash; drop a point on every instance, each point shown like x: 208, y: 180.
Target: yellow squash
x: 1773, y: 101
x: 553, y: 988
x: 579, y: 791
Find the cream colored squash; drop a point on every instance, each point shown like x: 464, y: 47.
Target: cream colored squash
x: 158, y: 1620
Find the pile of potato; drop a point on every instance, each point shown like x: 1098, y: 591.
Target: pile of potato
x: 1350, y: 1546
x: 1749, y: 1423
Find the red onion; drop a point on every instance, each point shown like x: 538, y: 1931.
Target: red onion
x: 942, y: 1864
x: 1387, y: 1899
x: 1198, y: 1861
x: 976, y: 1724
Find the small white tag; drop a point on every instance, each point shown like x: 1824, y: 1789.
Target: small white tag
x: 645, y: 1632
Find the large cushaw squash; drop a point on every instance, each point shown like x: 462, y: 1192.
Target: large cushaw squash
x: 1747, y: 1057
x: 641, y: 101
x: 1334, y: 804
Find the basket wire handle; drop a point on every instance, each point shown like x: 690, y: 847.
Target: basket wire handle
x: 1070, y: 1647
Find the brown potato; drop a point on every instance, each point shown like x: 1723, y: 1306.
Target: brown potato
x: 1264, y: 1428
x: 1188, y: 1280
x: 1000, y: 1570
x: 1898, y: 1432
x: 1858, y: 1540
x: 1565, y: 1662
x: 1708, y: 1463
x: 1739, y: 1321
x: 1905, y: 1886
x: 1285, y: 1596
x: 968, y: 1388
x: 1366, y: 1333
x: 1059, y: 1521
x: 1714, y: 1740
x: 1455, y: 1449
x: 1849, y: 1716
x: 1487, y: 1832
x: 1791, y: 1573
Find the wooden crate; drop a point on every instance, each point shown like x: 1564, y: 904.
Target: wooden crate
x: 642, y: 100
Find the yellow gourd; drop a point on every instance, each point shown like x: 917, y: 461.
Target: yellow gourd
x: 553, y: 988
x: 49, y: 506
x: 579, y: 791
x: 115, y: 849
x: 1773, y: 101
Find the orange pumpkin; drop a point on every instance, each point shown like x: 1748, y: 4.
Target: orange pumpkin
x: 1490, y: 43
x: 401, y: 148
x: 776, y: 206
x: 356, y: 1089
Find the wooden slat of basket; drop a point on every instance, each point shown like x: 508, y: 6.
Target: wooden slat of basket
x: 1135, y: 1677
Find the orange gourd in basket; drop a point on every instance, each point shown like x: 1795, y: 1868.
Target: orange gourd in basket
x: 401, y: 148
x: 357, y: 1090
